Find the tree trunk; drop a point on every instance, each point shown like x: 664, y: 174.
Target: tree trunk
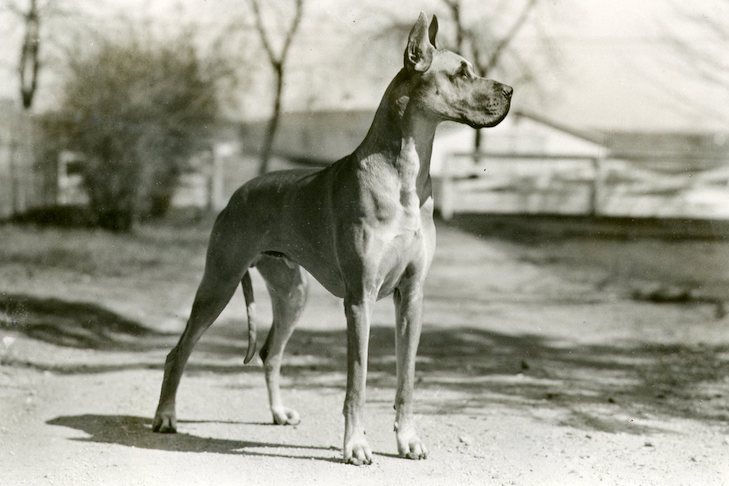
x: 272, y: 127
x: 29, y: 56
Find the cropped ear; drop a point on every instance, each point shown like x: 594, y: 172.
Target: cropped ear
x: 419, y: 52
x: 433, y: 31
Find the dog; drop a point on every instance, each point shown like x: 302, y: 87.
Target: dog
x: 363, y: 227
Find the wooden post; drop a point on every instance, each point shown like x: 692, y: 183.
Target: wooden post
x: 446, y: 194
x: 596, y: 187
x: 60, y: 176
x: 14, y: 191
x: 215, y: 181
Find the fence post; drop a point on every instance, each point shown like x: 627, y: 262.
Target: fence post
x: 13, y: 169
x: 446, y: 194
x: 596, y: 187
x: 446, y: 204
x: 60, y: 179
x: 215, y: 182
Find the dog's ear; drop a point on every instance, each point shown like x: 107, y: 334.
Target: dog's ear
x: 419, y: 52
x: 433, y: 31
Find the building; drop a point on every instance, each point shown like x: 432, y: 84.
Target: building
x: 531, y: 164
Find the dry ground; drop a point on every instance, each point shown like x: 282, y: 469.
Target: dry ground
x: 543, y: 361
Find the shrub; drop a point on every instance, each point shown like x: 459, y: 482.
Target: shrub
x: 137, y: 111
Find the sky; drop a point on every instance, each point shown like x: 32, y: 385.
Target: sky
x: 610, y: 64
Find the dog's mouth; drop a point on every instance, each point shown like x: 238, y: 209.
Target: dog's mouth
x: 491, y: 117
x: 500, y: 118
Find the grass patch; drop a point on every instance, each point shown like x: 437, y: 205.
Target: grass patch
x: 99, y: 253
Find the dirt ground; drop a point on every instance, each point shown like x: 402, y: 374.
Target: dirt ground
x: 543, y: 361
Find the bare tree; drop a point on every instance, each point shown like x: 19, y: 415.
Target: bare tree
x: 697, y: 42
x: 487, y: 62
x: 29, y: 55
x: 277, y: 60
x: 487, y: 51
x: 454, y: 9
x: 34, y: 17
x: 701, y: 40
x: 29, y: 61
x: 476, y: 37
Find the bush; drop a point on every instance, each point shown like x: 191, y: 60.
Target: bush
x: 137, y: 111
x: 59, y: 216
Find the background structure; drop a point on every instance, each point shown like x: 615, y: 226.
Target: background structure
x: 576, y: 327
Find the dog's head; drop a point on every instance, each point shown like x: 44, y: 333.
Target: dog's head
x: 446, y: 85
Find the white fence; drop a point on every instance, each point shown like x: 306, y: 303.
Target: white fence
x: 615, y: 185
x: 25, y: 182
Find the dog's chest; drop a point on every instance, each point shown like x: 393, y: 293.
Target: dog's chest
x: 394, y: 205
x: 399, y: 247
x: 397, y: 228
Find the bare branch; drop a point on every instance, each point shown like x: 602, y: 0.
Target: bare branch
x: 696, y: 43
x: 454, y: 7
x: 280, y: 58
x: 277, y: 62
x: 14, y: 9
x: 262, y: 32
x: 292, y: 29
x: 503, y: 44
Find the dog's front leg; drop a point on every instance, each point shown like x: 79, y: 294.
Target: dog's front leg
x: 356, y: 449
x: 409, y: 310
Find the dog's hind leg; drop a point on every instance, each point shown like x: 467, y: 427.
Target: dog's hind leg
x: 226, y: 263
x: 288, y: 287
x: 210, y: 300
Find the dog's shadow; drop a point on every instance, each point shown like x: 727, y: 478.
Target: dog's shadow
x: 137, y: 432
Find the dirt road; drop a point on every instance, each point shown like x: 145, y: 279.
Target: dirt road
x: 537, y: 366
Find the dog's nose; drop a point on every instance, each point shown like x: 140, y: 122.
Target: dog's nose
x: 508, y: 91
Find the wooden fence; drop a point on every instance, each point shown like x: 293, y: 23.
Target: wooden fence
x: 25, y: 182
x: 31, y: 178
x: 201, y: 185
x: 627, y: 185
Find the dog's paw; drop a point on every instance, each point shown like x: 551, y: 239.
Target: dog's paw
x: 285, y: 416
x: 410, y: 446
x: 165, y: 423
x: 357, y: 451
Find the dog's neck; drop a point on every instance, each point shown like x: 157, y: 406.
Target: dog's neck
x: 402, y: 137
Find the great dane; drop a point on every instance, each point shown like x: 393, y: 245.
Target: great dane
x: 363, y: 227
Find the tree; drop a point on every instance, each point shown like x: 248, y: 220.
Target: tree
x: 486, y: 50
x: 476, y: 37
x: 277, y: 60
x: 29, y: 61
x: 39, y: 21
x: 697, y: 40
x: 137, y: 110
x: 29, y: 55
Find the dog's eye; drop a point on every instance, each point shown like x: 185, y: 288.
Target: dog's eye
x: 464, y: 72
x: 461, y: 73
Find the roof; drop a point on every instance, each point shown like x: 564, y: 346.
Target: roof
x: 584, y: 134
x: 331, y: 134
x: 708, y: 145
x: 324, y: 136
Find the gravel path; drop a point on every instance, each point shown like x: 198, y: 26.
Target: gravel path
x: 532, y: 370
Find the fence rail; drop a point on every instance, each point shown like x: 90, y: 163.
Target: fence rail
x: 633, y: 185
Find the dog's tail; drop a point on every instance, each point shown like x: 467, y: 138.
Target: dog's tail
x: 247, y: 288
